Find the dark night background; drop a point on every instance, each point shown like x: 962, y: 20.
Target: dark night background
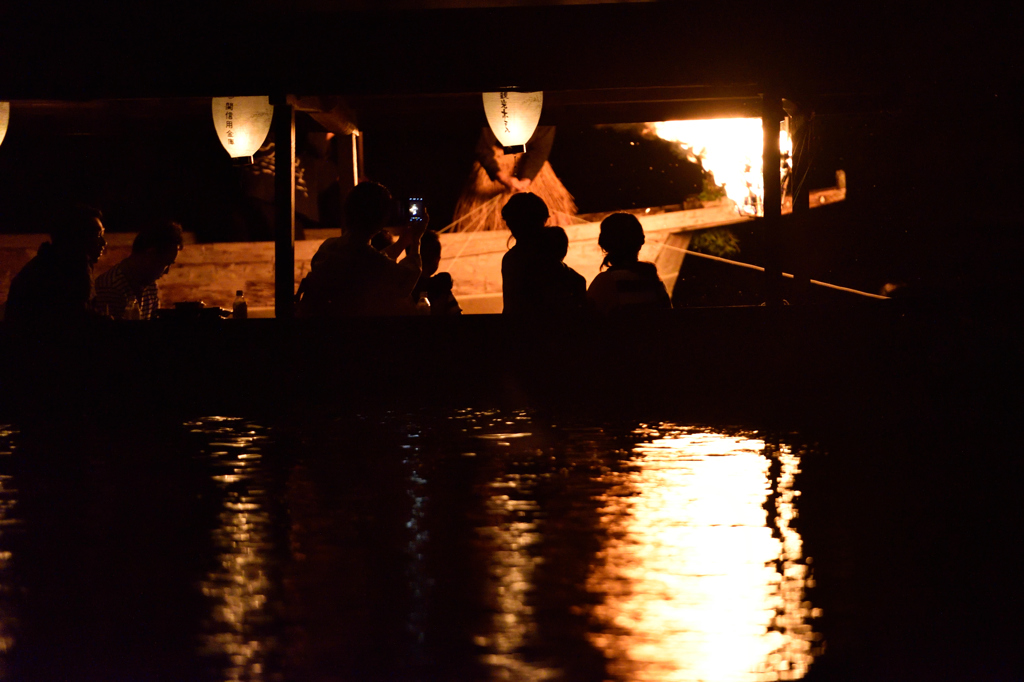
x: 913, y: 518
x: 931, y: 167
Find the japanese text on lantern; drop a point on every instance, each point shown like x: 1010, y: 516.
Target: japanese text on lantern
x: 504, y: 110
x: 229, y: 121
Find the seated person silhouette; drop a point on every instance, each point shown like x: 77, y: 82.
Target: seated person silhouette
x: 128, y: 290
x: 628, y: 284
x: 529, y: 271
x: 569, y: 292
x: 437, y: 287
x: 57, y: 283
x: 348, y: 277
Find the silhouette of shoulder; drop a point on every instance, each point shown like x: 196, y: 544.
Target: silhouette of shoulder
x: 51, y: 285
x: 632, y: 287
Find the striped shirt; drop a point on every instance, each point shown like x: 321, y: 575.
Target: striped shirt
x: 114, y: 295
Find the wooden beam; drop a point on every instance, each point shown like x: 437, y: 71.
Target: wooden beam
x: 798, y: 237
x: 771, y: 116
x: 284, y: 198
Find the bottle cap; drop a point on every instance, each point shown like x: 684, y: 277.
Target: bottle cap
x: 238, y: 293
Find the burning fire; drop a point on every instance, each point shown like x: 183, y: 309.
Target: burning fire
x: 730, y: 149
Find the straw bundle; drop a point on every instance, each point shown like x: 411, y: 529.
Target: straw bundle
x: 480, y: 190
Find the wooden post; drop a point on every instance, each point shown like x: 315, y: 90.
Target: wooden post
x: 799, y: 235
x: 771, y: 115
x: 360, y: 159
x: 284, y: 199
x: 355, y: 157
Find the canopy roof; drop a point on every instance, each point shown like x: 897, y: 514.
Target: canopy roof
x: 608, y: 55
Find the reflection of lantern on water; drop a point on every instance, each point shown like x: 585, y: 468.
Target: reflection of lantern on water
x: 513, y: 117
x: 239, y: 585
x: 513, y: 536
x: 696, y: 585
x: 512, y: 573
x: 8, y: 520
x: 242, y: 123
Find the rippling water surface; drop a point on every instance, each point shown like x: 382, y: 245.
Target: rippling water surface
x: 485, y: 545
x: 476, y: 545
x: 8, y: 525
x: 238, y: 632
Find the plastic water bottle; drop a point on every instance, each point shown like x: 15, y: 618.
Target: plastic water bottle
x: 131, y: 311
x: 423, y: 305
x: 239, y: 309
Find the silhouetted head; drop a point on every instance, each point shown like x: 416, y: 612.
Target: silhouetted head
x: 621, y: 237
x: 79, y: 229
x: 367, y: 208
x: 430, y: 252
x: 382, y: 240
x: 156, y: 248
x: 525, y: 214
x: 555, y: 242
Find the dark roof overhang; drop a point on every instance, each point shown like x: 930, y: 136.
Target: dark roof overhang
x: 655, y: 52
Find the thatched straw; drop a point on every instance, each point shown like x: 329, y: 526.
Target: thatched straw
x: 480, y: 190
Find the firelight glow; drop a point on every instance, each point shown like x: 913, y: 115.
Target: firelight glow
x: 700, y: 582
x: 5, y: 118
x: 731, y: 150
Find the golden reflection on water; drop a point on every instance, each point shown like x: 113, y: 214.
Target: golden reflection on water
x: 511, y: 573
x: 512, y: 534
x: 8, y: 521
x: 239, y: 585
x: 696, y: 584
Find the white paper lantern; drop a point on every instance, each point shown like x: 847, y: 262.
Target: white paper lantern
x: 5, y: 118
x: 242, y: 123
x: 513, y: 116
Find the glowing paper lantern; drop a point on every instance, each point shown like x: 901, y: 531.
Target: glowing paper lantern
x: 513, y: 117
x: 242, y: 123
x: 5, y: 118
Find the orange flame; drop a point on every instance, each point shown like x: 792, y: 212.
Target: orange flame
x: 730, y: 149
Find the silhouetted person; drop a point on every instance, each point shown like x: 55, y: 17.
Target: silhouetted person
x: 628, y: 284
x: 381, y: 241
x: 128, y: 290
x: 348, y: 277
x: 525, y: 268
x: 534, y: 279
x: 569, y: 292
x: 438, y: 287
x: 496, y: 176
x: 57, y: 283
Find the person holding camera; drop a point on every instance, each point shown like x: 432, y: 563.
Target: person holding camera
x: 348, y: 277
